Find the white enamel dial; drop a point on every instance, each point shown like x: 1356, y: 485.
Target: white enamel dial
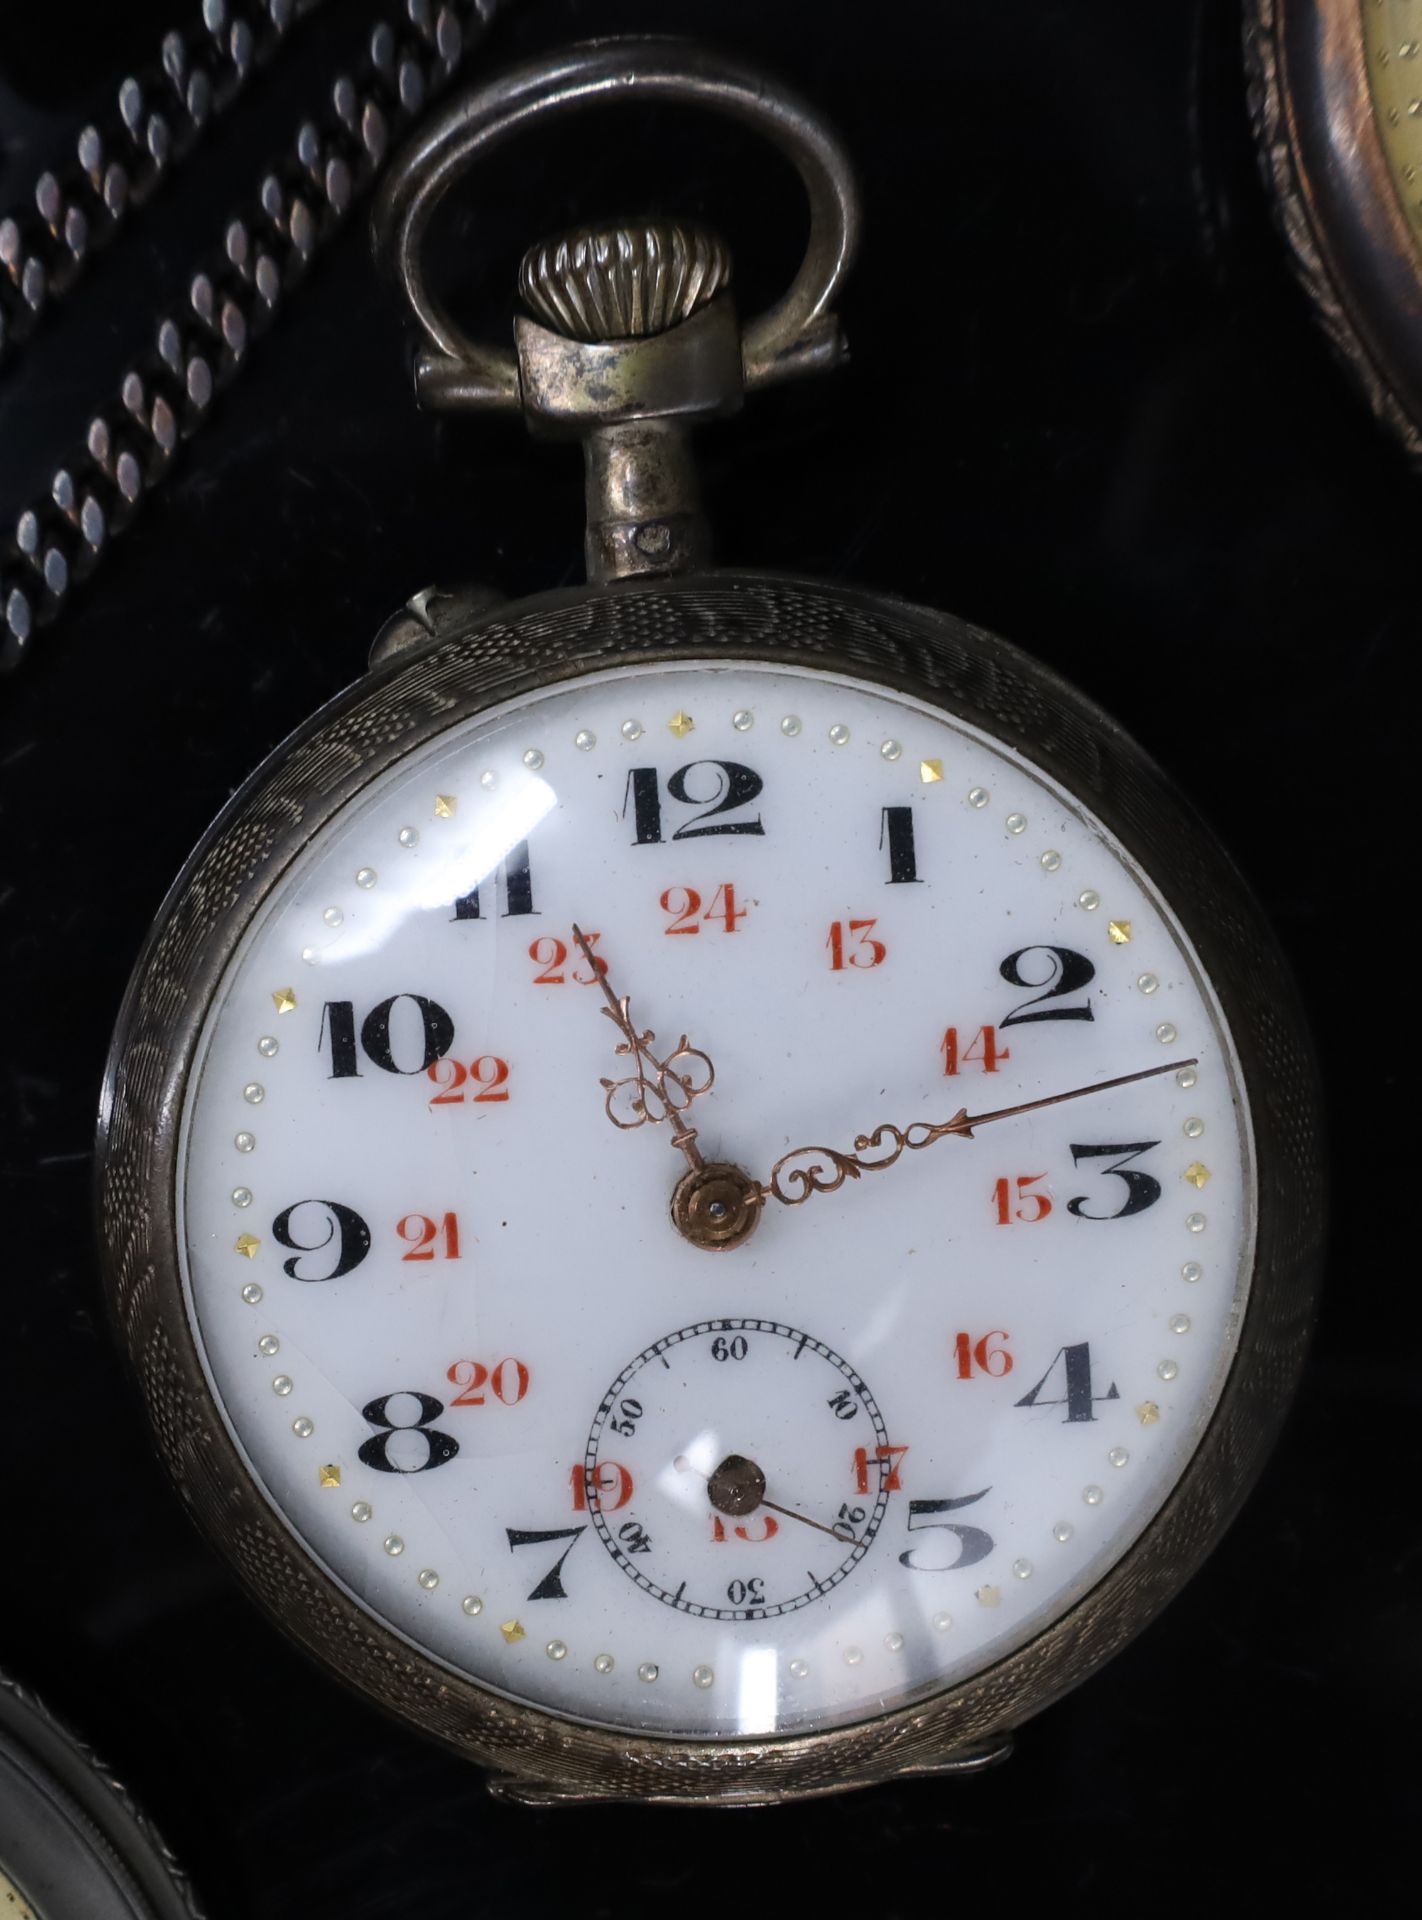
x: 445, y: 1310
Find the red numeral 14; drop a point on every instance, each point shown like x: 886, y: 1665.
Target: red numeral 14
x: 982, y: 1050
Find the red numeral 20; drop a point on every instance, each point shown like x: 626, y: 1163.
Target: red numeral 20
x: 684, y: 905
x: 508, y: 1378
x: 550, y: 956
x: 488, y: 1072
x: 982, y: 1049
x: 851, y: 944
x: 429, y: 1241
x: 981, y: 1355
x: 1014, y: 1202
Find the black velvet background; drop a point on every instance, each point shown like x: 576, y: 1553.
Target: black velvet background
x: 1088, y: 408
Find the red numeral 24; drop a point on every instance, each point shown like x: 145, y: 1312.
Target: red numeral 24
x: 508, y: 1378
x: 851, y: 944
x: 424, y: 1237
x: 1014, y: 1202
x: 488, y: 1072
x: 982, y: 1355
x: 886, y: 1459
x: 684, y: 904
x: 982, y: 1049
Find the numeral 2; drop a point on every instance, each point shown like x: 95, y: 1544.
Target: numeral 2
x: 1059, y: 971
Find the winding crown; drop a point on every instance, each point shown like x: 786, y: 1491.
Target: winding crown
x: 623, y: 282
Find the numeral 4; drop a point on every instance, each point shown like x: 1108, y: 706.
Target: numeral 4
x: 684, y: 905
x: 1071, y: 1371
x: 1014, y: 1202
x: 851, y: 944
x: 982, y: 1050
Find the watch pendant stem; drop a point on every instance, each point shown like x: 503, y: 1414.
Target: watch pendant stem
x: 643, y: 502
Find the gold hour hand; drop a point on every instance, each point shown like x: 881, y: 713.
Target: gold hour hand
x: 793, y: 1184
x: 657, y: 1089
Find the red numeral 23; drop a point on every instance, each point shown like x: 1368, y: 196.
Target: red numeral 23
x: 422, y: 1233
x: 551, y: 956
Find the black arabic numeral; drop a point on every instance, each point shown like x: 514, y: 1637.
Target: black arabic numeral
x: 436, y: 1033
x: 417, y: 1446
x: 896, y: 828
x: 634, y: 1537
x: 974, y: 1543
x: 1065, y: 972
x: 742, y: 1593
x: 631, y: 1411
x: 343, y: 1225
x: 550, y: 1587
x: 515, y: 876
x: 1077, y: 1397
x: 1142, y: 1189
x: 643, y: 796
x: 338, y: 1019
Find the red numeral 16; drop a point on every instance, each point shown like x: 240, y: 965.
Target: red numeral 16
x: 981, y: 1354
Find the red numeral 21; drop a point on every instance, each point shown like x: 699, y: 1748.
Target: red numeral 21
x: 981, y: 1355
x: 1014, y: 1202
x: 982, y: 1049
x: 886, y: 1459
x: 508, y: 1378
x: 684, y: 904
x: 550, y: 956
x: 851, y: 944
x: 424, y: 1235
x: 488, y: 1072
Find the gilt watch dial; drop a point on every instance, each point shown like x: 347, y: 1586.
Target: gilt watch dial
x: 507, y: 1385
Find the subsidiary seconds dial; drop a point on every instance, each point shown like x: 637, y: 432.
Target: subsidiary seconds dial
x: 761, y: 1463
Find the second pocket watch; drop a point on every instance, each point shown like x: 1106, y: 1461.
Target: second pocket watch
x: 712, y: 1182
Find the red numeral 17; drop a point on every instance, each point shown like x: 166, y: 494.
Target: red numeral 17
x: 886, y: 1459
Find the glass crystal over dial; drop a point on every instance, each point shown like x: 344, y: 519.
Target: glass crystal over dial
x: 769, y: 1304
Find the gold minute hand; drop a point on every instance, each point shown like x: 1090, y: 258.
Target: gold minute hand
x: 794, y: 1184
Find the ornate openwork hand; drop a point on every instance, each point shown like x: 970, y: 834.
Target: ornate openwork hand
x: 794, y: 1184
x: 656, y: 1090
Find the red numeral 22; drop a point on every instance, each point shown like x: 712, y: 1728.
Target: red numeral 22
x: 489, y: 1073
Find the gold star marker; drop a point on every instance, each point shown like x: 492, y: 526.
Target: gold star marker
x: 329, y: 1476
x: 511, y: 1630
x: 446, y: 805
x: 681, y: 724
x: 1197, y: 1174
x: 284, y: 999
x: 1147, y: 1413
x: 929, y: 771
x: 1120, y: 932
x: 247, y: 1244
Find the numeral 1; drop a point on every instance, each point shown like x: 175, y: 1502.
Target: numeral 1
x: 515, y: 877
x: 896, y: 829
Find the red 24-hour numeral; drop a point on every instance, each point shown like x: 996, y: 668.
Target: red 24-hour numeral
x: 1014, y: 1202
x: 684, y: 905
x: 609, y: 1488
x: 982, y: 1050
x: 851, y: 944
x: 508, y: 1378
x: 427, y: 1240
x: 766, y: 1528
x: 981, y: 1355
x: 885, y: 1459
x: 550, y: 956
x: 489, y: 1074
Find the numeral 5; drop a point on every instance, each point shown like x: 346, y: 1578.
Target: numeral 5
x: 974, y: 1543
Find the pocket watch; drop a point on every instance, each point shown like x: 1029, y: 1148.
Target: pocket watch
x: 712, y: 1182
x: 1337, y: 108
